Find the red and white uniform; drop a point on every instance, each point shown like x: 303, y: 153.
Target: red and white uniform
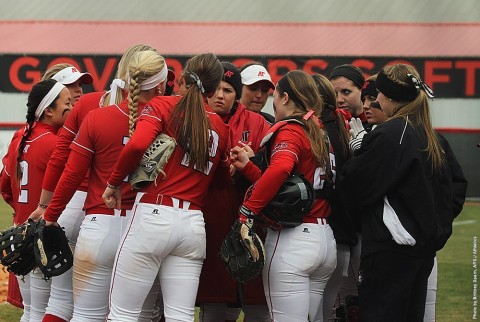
x: 220, y: 211
x: 23, y: 196
x: 38, y: 149
x: 60, y: 303
x: 299, y: 260
x: 95, y: 150
x: 167, y: 233
x: 99, y: 142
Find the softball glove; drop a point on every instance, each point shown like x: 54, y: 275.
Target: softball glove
x: 52, y: 251
x: 16, y: 248
x: 242, y: 252
x: 153, y: 161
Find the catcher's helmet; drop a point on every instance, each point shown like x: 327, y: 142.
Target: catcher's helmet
x: 293, y: 200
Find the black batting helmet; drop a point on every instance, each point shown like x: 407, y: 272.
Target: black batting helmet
x: 293, y: 200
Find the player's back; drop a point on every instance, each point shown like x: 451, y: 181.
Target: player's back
x: 184, y: 181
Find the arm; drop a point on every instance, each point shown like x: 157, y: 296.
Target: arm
x: 130, y: 157
x: 75, y: 171
x: 459, y: 182
x: 6, y: 188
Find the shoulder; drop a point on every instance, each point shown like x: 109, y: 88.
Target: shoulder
x: 91, y: 98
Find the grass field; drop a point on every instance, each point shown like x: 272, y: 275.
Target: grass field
x: 457, y: 269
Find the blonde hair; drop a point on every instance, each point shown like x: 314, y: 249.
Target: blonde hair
x: 122, y: 70
x: 202, y: 75
x: 143, y: 65
x: 416, y: 112
x: 49, y: 73
x: 306, y: 91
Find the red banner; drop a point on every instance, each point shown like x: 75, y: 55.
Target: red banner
x: 449, y: 77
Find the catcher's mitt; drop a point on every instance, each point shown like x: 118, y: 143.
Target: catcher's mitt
x: 153, y: 161
x: 52, y: 252
x: 242, y: 261
x: 16, y: 248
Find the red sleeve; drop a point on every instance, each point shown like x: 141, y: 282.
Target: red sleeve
x: 58, y: 159
x: 251, y: 172
x: 145, y: 132
x: 283, y: 158
x: 6, y: 180
x: 75, y: 171
x: 6, y: 188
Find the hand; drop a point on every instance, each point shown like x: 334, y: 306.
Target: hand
x: 112, y: 198
x: 356, y: 133
x: 51, y: 223
x: 246, y: 232
x: 37, y: 214
x: 239, y: 157
x: 356, y: 128
x: 247, y: 148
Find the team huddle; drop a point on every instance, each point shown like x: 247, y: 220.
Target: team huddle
x: 331, y: 210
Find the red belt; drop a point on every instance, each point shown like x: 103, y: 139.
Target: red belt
x: 105, y: 211
x: 313, y: 220
x: 165, y: 201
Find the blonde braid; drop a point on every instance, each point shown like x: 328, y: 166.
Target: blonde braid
x: 133, y: 94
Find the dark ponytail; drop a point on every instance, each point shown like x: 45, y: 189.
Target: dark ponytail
x: 38, y: 92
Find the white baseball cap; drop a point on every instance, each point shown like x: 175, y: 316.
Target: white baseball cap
x: 256, y: 73
x: 70, y: 75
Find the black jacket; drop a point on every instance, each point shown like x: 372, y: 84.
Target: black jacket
x: 392, y: 162
x: 342, y: 223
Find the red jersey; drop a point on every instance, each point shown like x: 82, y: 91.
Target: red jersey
x: 290, y: 153
x: 221, y: 210
x: 99, y: 142
x: 182, y: 180
x: 59, y: 158
x: 38, y: 148
x: 247, y: 127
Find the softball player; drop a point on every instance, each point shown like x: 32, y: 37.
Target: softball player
x: 416, y: 201
x: 167, y: 233
x: 96, y: 149
x: 257, y: 84
x: 342, y: 222
x: 299, y: 260
x: 247, y: 128
x: 71, y: 77
x: 375, y: 116
x: 60, y: 307
x: 24, y: 167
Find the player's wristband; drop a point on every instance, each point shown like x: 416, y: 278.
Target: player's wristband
x: 245, y: 214
x: 42, y: 206
x: 112, y: 186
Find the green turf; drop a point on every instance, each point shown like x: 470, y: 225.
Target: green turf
x: 455, y: 275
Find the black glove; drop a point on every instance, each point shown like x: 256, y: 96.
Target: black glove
x: 52, y: 251
x: 242, y: 252
x: 16, y: 248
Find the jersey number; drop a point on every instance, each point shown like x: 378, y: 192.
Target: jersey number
x: 23, y: 196
x: 212, y: 152
x: 320, y: 174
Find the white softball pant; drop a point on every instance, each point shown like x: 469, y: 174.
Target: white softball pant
x: 35, y: 292
x: 299, y: 262
x: 164, y: 240
x: 431, y: 294
x: 343, y: 281
x: 60, y: 303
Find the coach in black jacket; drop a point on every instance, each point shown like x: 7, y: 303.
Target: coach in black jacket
x: 410, y: 186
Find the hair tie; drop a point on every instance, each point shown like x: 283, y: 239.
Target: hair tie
x: 25, y: 130
x: 197, y: 80
x: 308, y: 115
x: 420, y: 85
